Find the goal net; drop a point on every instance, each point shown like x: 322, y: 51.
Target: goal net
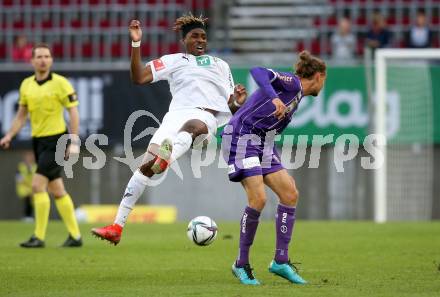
x: 403, y: 186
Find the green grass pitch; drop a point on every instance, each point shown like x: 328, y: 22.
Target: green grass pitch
x: 338, y: 259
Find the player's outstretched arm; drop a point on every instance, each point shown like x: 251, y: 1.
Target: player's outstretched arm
x: 140, y: 74
x: 17, y: 124
x: 264, y: 78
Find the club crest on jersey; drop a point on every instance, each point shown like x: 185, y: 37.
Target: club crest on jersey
x: 158, y: 64
x: 203, y: 61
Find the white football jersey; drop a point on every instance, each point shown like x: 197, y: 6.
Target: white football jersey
x: 196, y: 81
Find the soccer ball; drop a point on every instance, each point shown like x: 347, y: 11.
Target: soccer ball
x: 202, y: 230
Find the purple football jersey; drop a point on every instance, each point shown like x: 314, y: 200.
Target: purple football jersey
x: 252, y: 128
x: 256, y: 115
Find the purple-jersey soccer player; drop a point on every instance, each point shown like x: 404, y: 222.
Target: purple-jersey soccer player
x: 252, y: 160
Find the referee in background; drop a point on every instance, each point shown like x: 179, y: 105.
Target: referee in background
x: 45, y: 95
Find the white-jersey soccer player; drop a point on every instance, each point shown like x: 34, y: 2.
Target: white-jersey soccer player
x: 203, y: 97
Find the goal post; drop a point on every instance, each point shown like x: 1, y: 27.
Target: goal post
x: 411, y: 147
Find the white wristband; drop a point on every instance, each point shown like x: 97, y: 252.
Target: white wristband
x: 135, y: 43
x: 236, y: 104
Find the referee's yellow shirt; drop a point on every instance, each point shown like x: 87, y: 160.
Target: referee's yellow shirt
x: 45, y: 101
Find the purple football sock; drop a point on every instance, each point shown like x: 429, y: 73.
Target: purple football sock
x: 248, y: 228
x: 285, y: 220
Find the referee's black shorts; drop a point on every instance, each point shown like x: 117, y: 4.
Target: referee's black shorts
x: 44, y: 150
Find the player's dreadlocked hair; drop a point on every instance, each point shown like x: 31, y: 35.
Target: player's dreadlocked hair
x: 308, y: 65
x: 188, y: 22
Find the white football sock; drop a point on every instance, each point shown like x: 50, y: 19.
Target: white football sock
x: 181, y: 144
x: 135, y: 187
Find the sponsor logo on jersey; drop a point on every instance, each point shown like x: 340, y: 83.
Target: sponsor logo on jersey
x: 203, y: 61
x: 243, y: 223
x: 283, y: 228
x: 286, y: 78
x: 158, y: 64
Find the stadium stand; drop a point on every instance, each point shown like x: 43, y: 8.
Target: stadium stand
x: 80, y: 30
x: 275, y: 25
x: 286, y: 25
x: 83, y: 30
x: 400, y: 15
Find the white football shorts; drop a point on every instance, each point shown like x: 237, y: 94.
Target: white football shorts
x: 175, y: 119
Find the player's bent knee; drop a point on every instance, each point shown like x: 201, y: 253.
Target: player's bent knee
x: 295, y: 195
x: 195, y: 128
x: 257, y: 202
x: 58, y: 195
x: 289, y: 195
x: 37, y: 188
x: 57, y: 191
x: 290, y: 198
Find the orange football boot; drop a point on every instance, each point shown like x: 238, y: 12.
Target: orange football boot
x: 111, y: 233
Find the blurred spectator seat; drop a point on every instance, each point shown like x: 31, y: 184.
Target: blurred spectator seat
x: 272, y: 26
x: 22, y: 50
x: 70, y: 22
